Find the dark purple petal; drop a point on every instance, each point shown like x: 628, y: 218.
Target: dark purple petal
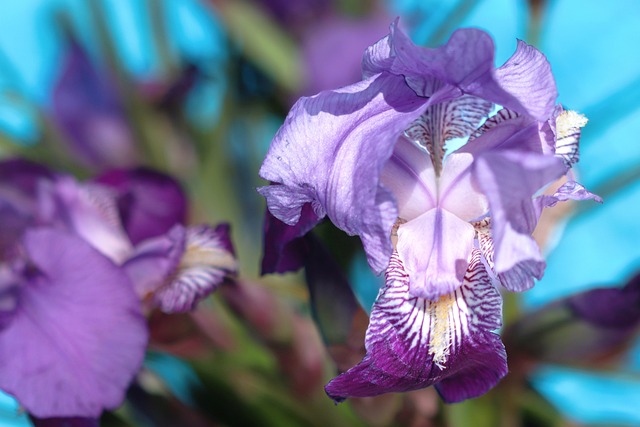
x: 65, y: 422
x: 89, y: 113
x: 284, y: 248
x: 413, y: 343
x: 609, y: 307
x: 10, y: 283
x: 509, y: 179
x: 330, y: 152
x: 584, y: 327
x: 150, y: 203
x: 207, y: 261
x: 77, y: 337
x: 19, y: 181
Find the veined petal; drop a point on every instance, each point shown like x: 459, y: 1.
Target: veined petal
x: 330, y: 153
x: 208, y: 259
x: 413, y: 343
x: 529, y: 264
x: 77, y: 337
x: 527, y: 78
x: 509, y: 179
x: 455, y: 118
x: 505, y: 130
x: 435, y: 248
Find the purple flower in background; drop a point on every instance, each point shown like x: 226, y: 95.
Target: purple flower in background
x: 89, y: 113
x: 378, y: 158
x: 74, y: 282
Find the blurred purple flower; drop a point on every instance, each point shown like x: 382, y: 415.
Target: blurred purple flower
x: 89, y: 113
x: 72, y: 334
x: 75, y: 336
x: 332, y: 47
x: 149, y: 203
x: 372, y: 157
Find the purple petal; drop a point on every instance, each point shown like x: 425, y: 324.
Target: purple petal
x: 77, y: 337
x: 284, y: 248
x: 464, y: 65
x: 410, y: 176
x: 19, y: 182
x: 509, y: 179
x: 527, y: 77
x: 207, y: 261
x: 570, y: 190
x: 435, y: 265
x: 330, y: 153
x: 88, y: 210
x: 150, y: 203
x: 413, y: 343
x: 87, y: 110
x: 155, y: 261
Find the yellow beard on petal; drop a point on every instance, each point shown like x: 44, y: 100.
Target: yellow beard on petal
x: 568, y: 122
x: 441, y: 335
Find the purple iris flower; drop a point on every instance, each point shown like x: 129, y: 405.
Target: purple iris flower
x: 378, y: 159
x: 74, y: 284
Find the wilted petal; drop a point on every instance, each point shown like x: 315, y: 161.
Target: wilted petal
x: 509, y: 179
x: 150, y: 203
x: 284, y: 249
x: 330, y: 152
x: 435, y: 265
x: 207, y: 261
x: 413, y: 343
x: 77, y: 337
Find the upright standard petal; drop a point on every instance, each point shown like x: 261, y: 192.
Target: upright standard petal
x: 150, y: 203
x: 77, y: 337
x: 330, y: 152
x: 413, y: 343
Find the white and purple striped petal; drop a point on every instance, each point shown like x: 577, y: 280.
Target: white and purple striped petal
x: 413, y: 343
x: 207, y: 261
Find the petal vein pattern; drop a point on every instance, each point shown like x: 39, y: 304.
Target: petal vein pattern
x: 413, y: 342
x: 331, y: 151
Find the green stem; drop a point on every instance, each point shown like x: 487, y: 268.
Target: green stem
x: 451, y: 21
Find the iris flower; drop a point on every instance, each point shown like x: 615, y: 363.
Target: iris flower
x: 445, y: 225
x: 75, y: 281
